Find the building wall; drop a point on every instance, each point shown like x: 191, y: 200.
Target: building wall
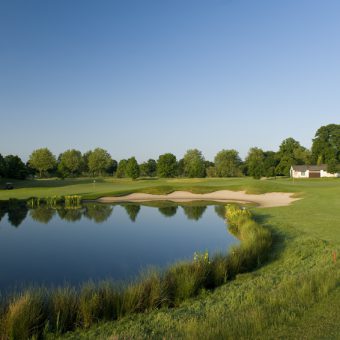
x: 323, y: 173
x: 327, y: 174
x: 299, y: 174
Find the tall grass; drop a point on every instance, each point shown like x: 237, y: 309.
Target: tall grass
x: 261, y: 310
x: 70, y: 201
x: 64, y: 309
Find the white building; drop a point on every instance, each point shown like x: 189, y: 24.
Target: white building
x: 311, y: 171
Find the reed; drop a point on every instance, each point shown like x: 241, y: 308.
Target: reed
x: 64, y: 309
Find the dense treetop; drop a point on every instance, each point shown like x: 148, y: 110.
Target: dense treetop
x: 227, y: 162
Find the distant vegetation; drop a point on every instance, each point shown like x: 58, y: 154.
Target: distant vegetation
x: 227, y: 163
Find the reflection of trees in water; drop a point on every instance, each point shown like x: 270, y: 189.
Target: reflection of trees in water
x: 97, y: 212
x: 132, y: 210
x: 194, y: 212
x: 70, y: 215
x: 168, y: 211
x: 3, y: 209
x: 17, y: 211
x: 220, y: 210
x: 42, y: 214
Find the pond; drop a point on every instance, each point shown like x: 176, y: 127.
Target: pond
x: 54, y: 246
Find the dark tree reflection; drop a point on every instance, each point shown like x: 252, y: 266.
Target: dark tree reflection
x: 3, y: 209
x: 220, y: 210
x: 132, y: 210
x: 17, y: 212
x: 70, y: 215
x: 194, y: 212
x: 168, y: 211
x: 42, y: 214
x: 97, y: 212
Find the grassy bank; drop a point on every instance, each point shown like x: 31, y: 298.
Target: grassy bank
x: 284, y: 298
x: 88, y: 189
x: 295, y: 295
x: 37, y: 311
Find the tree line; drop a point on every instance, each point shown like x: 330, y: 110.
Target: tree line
x: 227, y: 162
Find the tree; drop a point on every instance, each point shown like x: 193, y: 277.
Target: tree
x: 333, y: 166
x: 85, y: 162
x: 326, y: 144
x: 255, y: 163
x: 167, y: 165
x: 180, y: 168
x: 270, y: 163
x: 132, y: 168
x: 194, y: 164
x: 14, y: 167
x: 121, y: 170
x: 227, y: 163
x: 2, y: 166
x: 291, y: 153
x: 149, y: 168
x: 42, y: 160
x: 211, y: 171
x: 71, y: 163
x: 98, y: 161
x: 112, y: 167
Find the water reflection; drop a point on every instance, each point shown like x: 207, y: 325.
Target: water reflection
x: 70, y: 214
x: 194, y: 212
x: 220, y: 211
x: 168, y: 211
x: 17, y: 211
x: 42, y: 214
x: 132, y: 210
x: 131, y: 237
x: 97, y: 212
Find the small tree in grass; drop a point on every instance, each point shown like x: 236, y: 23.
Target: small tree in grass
x: 42, y: 160
x: 132, y: 168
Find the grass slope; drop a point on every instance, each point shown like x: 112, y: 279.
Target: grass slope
x: 295, y: 295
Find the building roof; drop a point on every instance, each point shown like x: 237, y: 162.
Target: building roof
x: 310, y: 167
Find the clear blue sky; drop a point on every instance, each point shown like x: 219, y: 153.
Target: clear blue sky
x: 146, y: 77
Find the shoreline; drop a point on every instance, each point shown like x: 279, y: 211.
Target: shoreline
x: 267, y: 200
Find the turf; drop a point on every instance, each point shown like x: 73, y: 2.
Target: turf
x: 262, y: 304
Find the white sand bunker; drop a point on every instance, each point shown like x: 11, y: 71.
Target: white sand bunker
x: 272, y: 199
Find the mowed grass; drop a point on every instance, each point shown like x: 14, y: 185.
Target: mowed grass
x: 296, y: 294
x: 91, y: 188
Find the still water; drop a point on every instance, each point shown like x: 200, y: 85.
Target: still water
x: 99, y: 241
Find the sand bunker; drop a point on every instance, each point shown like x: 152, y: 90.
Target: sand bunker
x: 272, y: 199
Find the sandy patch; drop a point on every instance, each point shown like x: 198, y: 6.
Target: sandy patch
x: 272, y: 199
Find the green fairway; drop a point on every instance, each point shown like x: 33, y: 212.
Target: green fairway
x: 294, y: 295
